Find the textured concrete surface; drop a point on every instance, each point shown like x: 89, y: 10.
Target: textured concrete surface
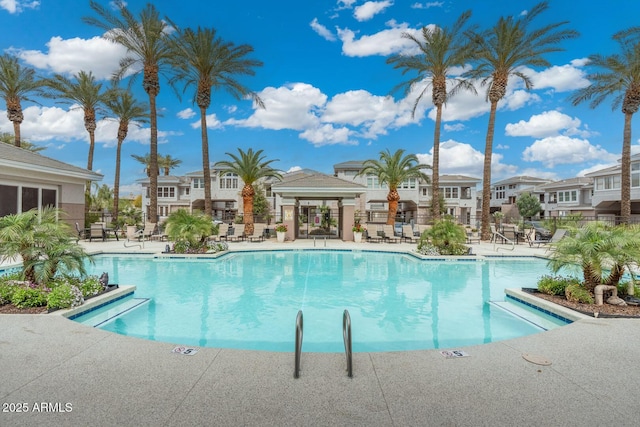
x: 84, y: 376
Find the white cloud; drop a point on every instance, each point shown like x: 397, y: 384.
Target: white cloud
x: 346, y: 4
x: 212, y: 122
x: 385, y: 42
x: 328, y: 135
x: 548, y: 123
x: 70, y: 56
x: 594, y: 168
x: 561, y: 149
x: 427, y: 5
x: 518, y: 99
x: 359, y: 107
x: 186, y: 114
x: 322, y: 30
x: 454, y: 128
x: 369, y: 9
x: 561, y: 78
x: 293, y: 169
x: 17, y: 6
x: 457, y: 158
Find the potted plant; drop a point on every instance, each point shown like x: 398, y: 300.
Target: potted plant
x: 358, y: 229
x: 281, y: 229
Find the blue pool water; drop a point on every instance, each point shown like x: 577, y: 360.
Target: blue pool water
x: 250, y: 300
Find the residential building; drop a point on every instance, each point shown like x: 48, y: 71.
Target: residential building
x: 505, y: 193
x: 606, y: 190
x: 30, y: 180
x: 566, y: 197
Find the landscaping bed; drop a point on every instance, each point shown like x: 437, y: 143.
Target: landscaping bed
x: 604, y: 310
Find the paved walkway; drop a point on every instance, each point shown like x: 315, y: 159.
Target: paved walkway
x: 63, y: 373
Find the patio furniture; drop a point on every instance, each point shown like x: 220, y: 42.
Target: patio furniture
x: 258, y: 233
x: 408, y: 235
x: 96, y: 231
x: 557, y: 236
x: 389, y: 234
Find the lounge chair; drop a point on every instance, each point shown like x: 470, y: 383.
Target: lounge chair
x: 223, y: 229
x: 96, y: 231
x: 258, y: 233
x: 146, y: 232
x: 557, y: 236
x: 373, y: 234
x: 408, y: 235
x: 389, y: 234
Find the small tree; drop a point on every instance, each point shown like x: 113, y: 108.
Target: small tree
x: 448, y: 237
x: 528, y: 205
x: 43, y: 242
x: 188, y: 230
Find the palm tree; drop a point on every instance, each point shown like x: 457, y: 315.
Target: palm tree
x: 603, y: 253
x: 42, y: 241
x: 7, y: 138
x: 250, y: 167
x: 127, y: 110
x: 16, y: 83
x: 203, y: 60
x: 146, y: 161
x: 440, y: 50
x: 618, y: 76
x: 500, y: 53
x: 393, y: 170
x: 147, y: 50
x: 83, y: 90
x: 167, y: 163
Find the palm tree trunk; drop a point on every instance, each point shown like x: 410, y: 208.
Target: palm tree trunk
x: 486, y: 174
x: 247, y: 201
x: 625, y: 181
x: 206, y: 169
x: 116, y: 181
x: 16, y: 132
x: 393, y: 197
x: 435, y: 167
x: 153, y: 159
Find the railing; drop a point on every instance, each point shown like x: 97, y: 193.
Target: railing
x: 346, y: 335
x: 299, y: 331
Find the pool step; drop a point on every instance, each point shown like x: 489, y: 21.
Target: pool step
x: 538, y: 319
x: 111, y: 311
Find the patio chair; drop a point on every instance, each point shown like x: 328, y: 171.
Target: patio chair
x: 82, y: 232
x: 146, y: 232
x: 223, y: 229
x: 96, y: 231
x: 557, y: 236
x: 408, y: 235
x: 258, y: 233
x: 389, y: 234
x: 373, y: 234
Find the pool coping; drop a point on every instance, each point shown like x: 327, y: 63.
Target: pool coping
x: 96, y: 302
x: 547, y: 307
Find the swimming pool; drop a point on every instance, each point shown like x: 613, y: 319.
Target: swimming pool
x: 250, y: 300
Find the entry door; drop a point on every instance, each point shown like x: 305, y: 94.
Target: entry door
x: 314, y: 221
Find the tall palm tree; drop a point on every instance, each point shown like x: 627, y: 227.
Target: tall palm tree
x: 393, y: 170
x: 83, y: 90
x: 250, y: 166
x: 167, y: 163
x: 202, y: 59
x: 87, y: 92
x: 500, y: 53
x: 127, y: 110
x: 147, y: 52
x: 16, y: 83
x: 618, y: 75
x: 441, y: 49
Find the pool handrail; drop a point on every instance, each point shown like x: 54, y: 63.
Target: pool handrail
x: 298, y: 349
x: 346, y: 335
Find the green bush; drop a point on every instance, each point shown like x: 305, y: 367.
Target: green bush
x: 577, y: 293
x: 6, y: 292
x: 90, y: 286
x: 555, y: 285
x: 64, y: 296
x: 24, y: 297
x: 623, y: 287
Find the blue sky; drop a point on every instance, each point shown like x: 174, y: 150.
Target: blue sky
x: 328, y: 89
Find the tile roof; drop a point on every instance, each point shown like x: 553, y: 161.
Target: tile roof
x: 11, y: 155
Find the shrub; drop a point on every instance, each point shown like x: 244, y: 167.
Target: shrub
x: 623, y: 287
x: 24, y: 297
x: 6, y: 292
x: 64, y: 296
x: 554, y: 285
x: 577, y: 293
x: 90, y: 286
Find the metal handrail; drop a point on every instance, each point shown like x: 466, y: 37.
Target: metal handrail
x: 299, y: 331
x: 346, y: 335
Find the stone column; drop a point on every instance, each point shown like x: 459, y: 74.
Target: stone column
x: 288, y: 217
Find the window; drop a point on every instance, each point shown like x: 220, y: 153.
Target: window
x: 373, y: 183
x: 229, y: 181
x: 450, y: 192
x: 166, y: 192
x: 426, y: 191
x: 553, y: 197
x: 349, y: 173
x: 198, y: 182
x: 567, y: 196
x: 409, y: 183
x: 49, y: 198
x: 608, y: 182
x: 8, y: 200
x: 635, y: 174
x: 500, y: 193
x: 512, y: 186
x: 29, y: 198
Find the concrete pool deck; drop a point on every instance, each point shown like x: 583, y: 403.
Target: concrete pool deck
x: 86, y: 376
